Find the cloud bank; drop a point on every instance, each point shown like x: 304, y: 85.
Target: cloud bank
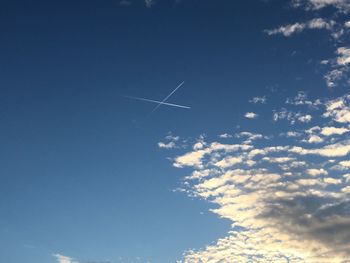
x: 287, y: 202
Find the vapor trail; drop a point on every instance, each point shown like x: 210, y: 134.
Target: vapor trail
x: 167, y: 97
x: 159, y: 102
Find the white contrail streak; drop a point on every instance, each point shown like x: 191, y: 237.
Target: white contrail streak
x: 159, y: 102
x: 167, y: 97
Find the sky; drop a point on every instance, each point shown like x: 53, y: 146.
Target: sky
x: 256, y: 169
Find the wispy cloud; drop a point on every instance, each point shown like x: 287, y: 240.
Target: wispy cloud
x: 150, y: 3
x: 257, y: 100
x: 341, y: 5
x: 125, y: 2
x: 338, y: 71
x: 290, y: 29
x: 291, y: 117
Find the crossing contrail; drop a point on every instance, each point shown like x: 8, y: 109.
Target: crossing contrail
x: 167, y: 97
x: 158, y: 102
x: 163, y: 102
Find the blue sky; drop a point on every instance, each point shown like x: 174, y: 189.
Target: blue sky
x: 89, y: 175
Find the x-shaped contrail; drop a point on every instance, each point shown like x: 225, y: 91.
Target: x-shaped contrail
x: 163, y: 102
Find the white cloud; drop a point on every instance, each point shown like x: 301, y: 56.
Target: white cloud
x: 225, y: 136
x: 170, y: 142
x: 250, y: 137
x: 333, y: 77
x: 339, y: 70
x: 344, y: 56
x: 256, y: 100
x: 301, y: 99
x: 328, y: 131
x: 333, y: 150
x: 278, y: 159
x: 339, y: 109
x: 341, y: 5
x: 292, y: 134
x: 345, y: 164
x: 330, y: 180
x: 314, y: 139
x: 228, y: 162
x: 304, y: 118
x: 288, y: 30
x: 315, y: 172
x: 169, y: 145
x: 290, y: 116
x: 64, y: 259
x: 283, y: 204
x: 251, y: 115
x: 191, y: 159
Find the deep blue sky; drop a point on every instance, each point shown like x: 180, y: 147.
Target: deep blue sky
x: 81, y: 173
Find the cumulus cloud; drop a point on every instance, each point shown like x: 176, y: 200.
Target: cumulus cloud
x: 328, y: 131
x: 286, y: 203
x: 314, y: 139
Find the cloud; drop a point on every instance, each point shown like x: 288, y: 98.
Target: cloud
x: 339, y: 109
x: 344, y: 56
x: 170, y: 142
x: 338, y: 71
x: 125, y: 2
x: 250, y: 137
x: 150, y: 3
x: 286, y: 203
x: 251, y: 115
x: 315, y: 172
x: 228, y: 162
x: 288, y: 30
x: 345, y: 164
x: 169, y: 145
x: 314, y: 139
x: 257, y: 100
x: 341, y: 5
x: 290, y: 116
x: 302, y: 99
x: 64, y: 259
x: 333, y: 77
x: 328, y: 131
x: 225, y: 136
x: 291, y: 134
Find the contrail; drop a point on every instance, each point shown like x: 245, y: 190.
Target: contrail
x: 158, y: 102
x: 167, y: 97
